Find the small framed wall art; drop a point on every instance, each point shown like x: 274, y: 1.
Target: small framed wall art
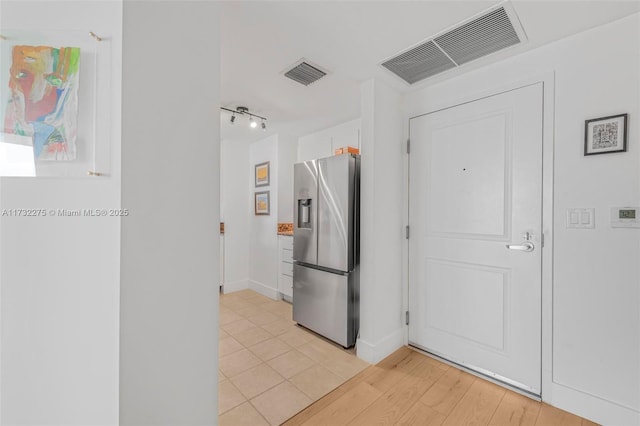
x: 262, y: 174
x: 261, y: 203
x: 605, y: 135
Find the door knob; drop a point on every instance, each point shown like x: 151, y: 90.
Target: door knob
x: 526, y: 246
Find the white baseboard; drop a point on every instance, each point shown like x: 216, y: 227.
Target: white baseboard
x: 235, y: 286
x: 376, y: 352
x: 590, y: 407
x: 264, y: 290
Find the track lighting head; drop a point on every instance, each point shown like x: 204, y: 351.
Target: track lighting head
x: 242, y: 110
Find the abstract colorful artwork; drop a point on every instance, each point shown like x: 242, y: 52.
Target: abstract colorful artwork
x: 43, y: 99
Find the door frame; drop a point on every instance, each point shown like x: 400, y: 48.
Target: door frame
x: 548, y: 134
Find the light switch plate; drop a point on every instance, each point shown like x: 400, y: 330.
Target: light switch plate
x: 581, y: 218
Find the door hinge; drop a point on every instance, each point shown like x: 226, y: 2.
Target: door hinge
x: 406, y: 317
x: 542, y: 239
x: 407, y: 232
x: 408, y: 146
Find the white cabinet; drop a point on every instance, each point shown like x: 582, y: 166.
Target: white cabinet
x: 347, y: 134
x: 324, y: 143
x: 317, y: 145
x: 285, y: 266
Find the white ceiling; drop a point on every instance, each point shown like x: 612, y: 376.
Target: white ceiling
x: 261, y: 39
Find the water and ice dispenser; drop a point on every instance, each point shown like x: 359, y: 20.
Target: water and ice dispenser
x: 304, y: 213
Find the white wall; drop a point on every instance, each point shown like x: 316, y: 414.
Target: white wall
x: 263, y: 244
x: 595, y: 365
x: 235, y: 209
x: 59, y: 277
x: 287, y: 157
x: 324, y: 143
x: 251, y: 259
x: 381, y: 236
x: 170, y: 182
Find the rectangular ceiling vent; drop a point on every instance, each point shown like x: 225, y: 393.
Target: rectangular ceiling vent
x: 490, y: 32
x: 305, y: 73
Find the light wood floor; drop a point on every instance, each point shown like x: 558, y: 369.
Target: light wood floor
x: 410, y: 388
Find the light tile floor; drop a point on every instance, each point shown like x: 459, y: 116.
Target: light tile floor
x: 270, y: 368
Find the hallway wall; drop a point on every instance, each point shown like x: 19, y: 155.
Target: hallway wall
x: 170, y: 183
x: 59, y: 276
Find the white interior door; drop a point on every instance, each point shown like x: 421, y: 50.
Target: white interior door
x: 475, y: 188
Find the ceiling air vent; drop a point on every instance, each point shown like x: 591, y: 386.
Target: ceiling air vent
x: 419, y: 63
x: 305, y: 73
x: 486, y: 33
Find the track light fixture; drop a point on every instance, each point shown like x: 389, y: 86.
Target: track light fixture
x: 241, y: 110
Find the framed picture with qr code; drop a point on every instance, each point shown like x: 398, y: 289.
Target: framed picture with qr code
x: 605, y: 135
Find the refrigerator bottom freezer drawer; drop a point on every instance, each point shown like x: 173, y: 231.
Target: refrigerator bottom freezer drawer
x: 326, y: 303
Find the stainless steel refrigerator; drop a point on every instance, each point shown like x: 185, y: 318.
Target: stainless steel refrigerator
x: 326, y: 247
